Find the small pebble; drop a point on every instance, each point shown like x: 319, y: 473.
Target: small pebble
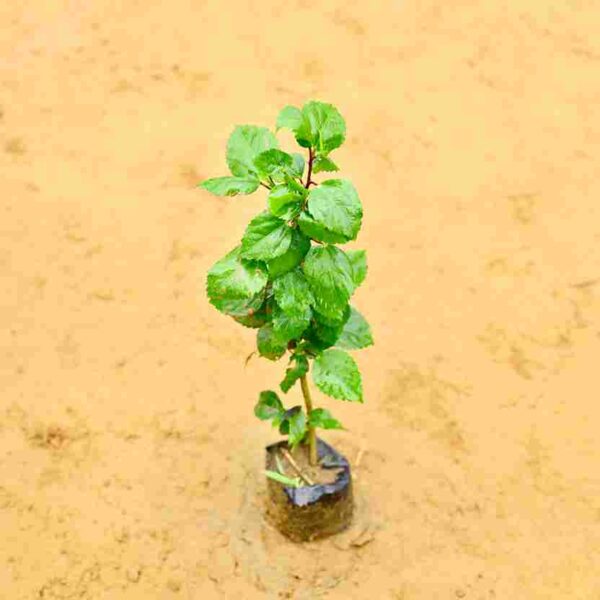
x: 133, y: 574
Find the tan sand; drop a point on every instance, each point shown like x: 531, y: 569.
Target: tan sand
x: 129, y: 456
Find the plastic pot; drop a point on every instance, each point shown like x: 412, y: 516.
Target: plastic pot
x: 314, y: 511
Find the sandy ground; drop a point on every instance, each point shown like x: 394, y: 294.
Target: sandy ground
x: 129, y: 457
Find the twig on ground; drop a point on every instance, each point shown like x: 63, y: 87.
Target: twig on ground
x: 359, y: 456
x: 586, y: 283
x: 296, y: 468
x: 279, y: 464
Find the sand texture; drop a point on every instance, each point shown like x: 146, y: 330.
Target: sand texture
x: 130, y: 460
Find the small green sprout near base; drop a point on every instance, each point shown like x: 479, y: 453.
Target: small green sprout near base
x: 295, y: 483
x: 288, y: 278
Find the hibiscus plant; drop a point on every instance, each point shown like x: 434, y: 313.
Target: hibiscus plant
x: 288, y: 278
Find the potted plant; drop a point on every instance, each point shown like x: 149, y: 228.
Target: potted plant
x: 289, y: 280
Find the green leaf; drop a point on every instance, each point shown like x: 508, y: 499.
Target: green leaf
x: 329, y: 274
x: 299, y: 164
x: 326, y: 333
x: 292, y: 291
x: 294, y: 372
x: 356, y: 333
x: 291, y: 315
x: 290, y: 325
x: 238, y: 308
x: 335, y: 373
x: 273, y: 161
x: 269, y: 406
x: 338, y: 321
x: 266, y: 237
x: 234, y: 286
x: 307, y: 347
x: 230, y: 186
x: 289, y: 117
x: 312, y: 229
x: 284, y: 423
x: 269, y: 345
x: 297, y: 186
x: 322, y: 127
x: 245, y: 143
x: 294, y: 255
x: 319, y: 417
x: 285, y: 202
x: 336, y: 206
x: 254, y: 318
x: 297, y: 428
x: 294, y: 483
x: 324, y: 163
x: 358, y: 258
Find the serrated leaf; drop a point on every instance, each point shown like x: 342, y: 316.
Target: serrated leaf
x: 310, y: 228
x: 289, y: 117
x: 266, y: 237
x: 238, y: 308
x: 307, y: 347
x: 335, y: 205
x: 273, y: 161
x: 268, y: 344
x: 356, y: 333
x: 297, y: 186
x: 298, y: 367
x: 292, y: 291
x: 324, y: 333
x: 358, y: 258
x: 321, y: 127
x: 338, y: 321
x: 269, y: 406
x: 254, y: 318
x: 290, y: 325
x: 324, y: 164
x: 336, y: 374
x: 320, y: 417
x: 294, y: 255
x: 235, y: 286
x: 230, y: 186
x: 245, y: 143
x: 284, y: 424
x: 299, y: 164
x: 329, y: 274
x: 292, y: 313
x: 297, y: 428
x: 285, y: 202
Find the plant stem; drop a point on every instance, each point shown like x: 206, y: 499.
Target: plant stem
x: 312, y: 434
x: 311, y: 157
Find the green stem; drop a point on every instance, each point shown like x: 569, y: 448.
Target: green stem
x: 312, y: 433
x: 311, y: 158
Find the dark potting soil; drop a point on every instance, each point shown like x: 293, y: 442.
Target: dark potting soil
x: 315, y: 510
x: 316, y: 473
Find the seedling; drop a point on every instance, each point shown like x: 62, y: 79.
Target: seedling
x: 288, y: 278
